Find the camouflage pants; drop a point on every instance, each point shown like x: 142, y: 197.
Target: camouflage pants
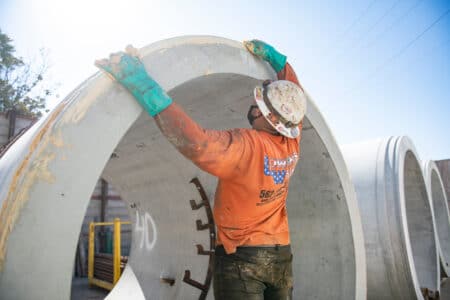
x: 253, y: 273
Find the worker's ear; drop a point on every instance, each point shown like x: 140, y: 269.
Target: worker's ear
x: 253, y: 113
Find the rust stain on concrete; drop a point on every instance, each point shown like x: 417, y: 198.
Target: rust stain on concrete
x: 18, y: 193
x: 31, y: 170
x: 76, y: 112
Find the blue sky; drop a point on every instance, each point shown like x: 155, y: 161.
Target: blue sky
x: 375, y: 68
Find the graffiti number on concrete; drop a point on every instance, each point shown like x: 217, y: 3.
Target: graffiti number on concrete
x: 142, y: 229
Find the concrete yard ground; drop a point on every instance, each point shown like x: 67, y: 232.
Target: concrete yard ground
x: 82, y: 291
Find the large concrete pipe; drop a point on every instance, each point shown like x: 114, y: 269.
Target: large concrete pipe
x: 436, y: 192
x: 48, y: 176
x: 397, y: 219
x: 445, y: 289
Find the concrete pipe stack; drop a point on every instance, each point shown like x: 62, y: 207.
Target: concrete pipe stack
x: 99, y: 130
x: 400, y: 243
x: 437, y: 194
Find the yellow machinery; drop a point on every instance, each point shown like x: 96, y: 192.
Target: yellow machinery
x: 116, y: 256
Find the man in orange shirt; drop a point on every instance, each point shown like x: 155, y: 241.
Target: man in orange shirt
x: 253, y: 258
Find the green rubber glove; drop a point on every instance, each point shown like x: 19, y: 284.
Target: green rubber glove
x: 128, y: 70
x: 267, y: 53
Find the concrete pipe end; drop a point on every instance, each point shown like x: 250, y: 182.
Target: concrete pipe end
x: 441, y: 216
x: 212, y: 79
x: 397, y: 219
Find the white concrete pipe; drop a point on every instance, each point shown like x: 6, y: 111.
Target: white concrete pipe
x: 436, y: 192
x: 48, y: 177
x: 397, y: 219
x: 445, y: 289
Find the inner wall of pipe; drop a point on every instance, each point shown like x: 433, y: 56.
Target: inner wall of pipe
x: 441, y: 216
x: 420, y: 223
x: 445, y: 289
x: 320, y: 226
x: 154, y: 179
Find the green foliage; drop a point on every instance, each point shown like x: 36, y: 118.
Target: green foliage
x: 21, y: 86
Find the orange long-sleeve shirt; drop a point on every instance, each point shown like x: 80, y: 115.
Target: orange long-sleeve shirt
x: 253, y: 168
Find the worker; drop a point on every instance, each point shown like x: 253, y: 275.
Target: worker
x: 253, y: 258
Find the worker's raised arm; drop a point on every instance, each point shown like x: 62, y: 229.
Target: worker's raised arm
x: 214, y: 151
x: 211, y: 150
x: 288, y: 73
x: 277, y: 60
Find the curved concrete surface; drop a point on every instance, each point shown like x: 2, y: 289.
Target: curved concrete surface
x: 440, y: 211
x: 445, y: 289
x: 98, y: 130
x: 127, y: 287
x: 397, y: 219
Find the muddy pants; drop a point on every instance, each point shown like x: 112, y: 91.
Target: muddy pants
x: 253, y: 273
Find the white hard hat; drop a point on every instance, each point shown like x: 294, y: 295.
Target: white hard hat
x: 283, y: 104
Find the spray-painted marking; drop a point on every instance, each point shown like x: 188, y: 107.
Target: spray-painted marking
x: 142, y: 227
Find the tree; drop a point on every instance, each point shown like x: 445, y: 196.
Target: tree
x: 21, y: 83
